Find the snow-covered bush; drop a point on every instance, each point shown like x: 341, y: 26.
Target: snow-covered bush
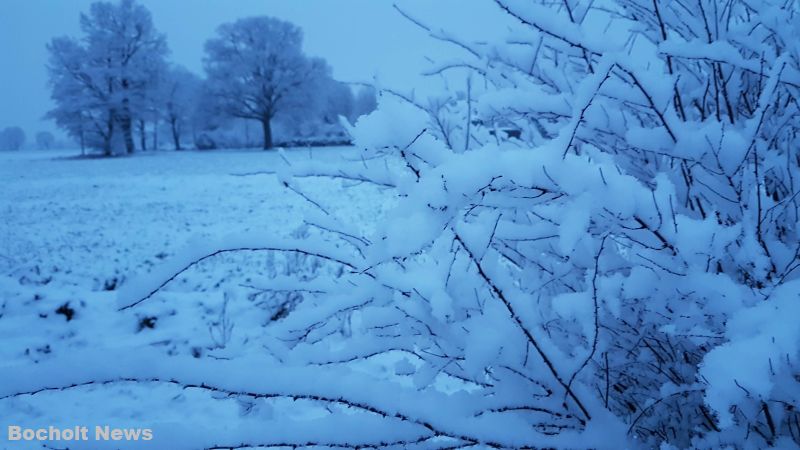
x: 642, y: 235
x: 622, y: 274
x: 12, y: 138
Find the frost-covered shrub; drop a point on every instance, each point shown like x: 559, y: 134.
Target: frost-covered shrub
x: 648, y: 220
x: 633, y: 252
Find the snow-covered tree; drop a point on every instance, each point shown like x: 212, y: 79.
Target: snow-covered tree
x: 12, y: 138
x: 257, y: 70
x: 180, y: 91
x: 100, y: 83
x: 45, y: 140
x: 83, y: 100
x: 365, y: 102
x: 339, y: 101
x: 318, y: 107
x: 148, y: 103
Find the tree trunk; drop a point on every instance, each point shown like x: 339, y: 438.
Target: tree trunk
x: 155, y: 133
x: 83, y: 142
x: 127, y: 132
x: 108, y: 137
x: 107, y: 142
x: 176, y: 135
x: 107, y: 146
x: 267, y: 126
x: 142, y: 135
x: 126, y: 121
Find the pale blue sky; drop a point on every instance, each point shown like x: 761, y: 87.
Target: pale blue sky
x: 359, y: 38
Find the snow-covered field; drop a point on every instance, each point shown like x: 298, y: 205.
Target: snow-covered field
x: 75, y: 231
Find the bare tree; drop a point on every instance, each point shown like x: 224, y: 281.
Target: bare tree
x: 256, y: 69
x: 180, y: 91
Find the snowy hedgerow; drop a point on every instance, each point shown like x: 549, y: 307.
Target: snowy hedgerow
x: 619, y: 273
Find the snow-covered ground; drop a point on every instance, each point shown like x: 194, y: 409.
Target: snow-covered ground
x: 75, y: 231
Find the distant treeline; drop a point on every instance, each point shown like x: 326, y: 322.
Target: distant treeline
x: 116, y: 91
